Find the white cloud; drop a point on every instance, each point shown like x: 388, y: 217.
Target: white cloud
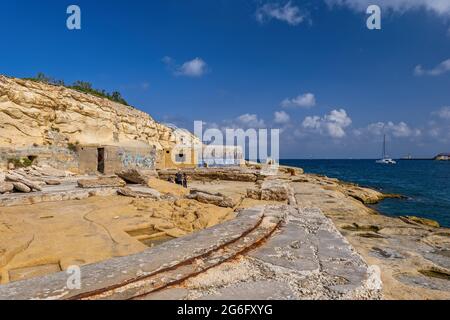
x: 249, y: 121
x: 307, y: 100
x: 441, y: 68
x: 288, y: 13
x: 194, y: 68
x: 441, y: 7
x: 434, y: 132
x: 399, y: 130
x: 332, y: 124
x: 443, y: 113
x: 281, y: 117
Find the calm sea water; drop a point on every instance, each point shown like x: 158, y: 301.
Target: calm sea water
x: 425, y: 183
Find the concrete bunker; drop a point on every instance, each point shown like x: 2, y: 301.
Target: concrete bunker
x: 108, y: 160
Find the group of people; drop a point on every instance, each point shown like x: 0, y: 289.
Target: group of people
x: 180, y: 179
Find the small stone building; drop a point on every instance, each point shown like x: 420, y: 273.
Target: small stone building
x: 179, y: 157
x: 112, y: 159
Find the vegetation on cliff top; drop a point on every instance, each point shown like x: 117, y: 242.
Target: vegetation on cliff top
x: 81, y: 86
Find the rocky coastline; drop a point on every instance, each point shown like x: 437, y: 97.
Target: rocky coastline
x: 407, y: 257
x: 412, y: 252
x: 242, y: 231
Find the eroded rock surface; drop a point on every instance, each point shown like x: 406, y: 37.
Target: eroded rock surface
x: 52, y: 114
x: 137, y: 176
x: 101, y: 182
x: 295, y: 252
x: 402, y: 250
x: 304, y: 258
x: 217, y: 199
x: 238, y: 174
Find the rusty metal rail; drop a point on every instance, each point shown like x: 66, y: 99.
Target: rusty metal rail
x: 140, y: 287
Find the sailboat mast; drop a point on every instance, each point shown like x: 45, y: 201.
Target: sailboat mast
x: 384, y: 147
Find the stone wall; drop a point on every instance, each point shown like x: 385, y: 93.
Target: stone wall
x: 57, y: 157
x: 116, y: 159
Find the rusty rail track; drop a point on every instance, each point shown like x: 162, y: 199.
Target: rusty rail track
x: 140, y: 287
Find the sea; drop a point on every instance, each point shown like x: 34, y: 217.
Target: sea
x: 424, y: 183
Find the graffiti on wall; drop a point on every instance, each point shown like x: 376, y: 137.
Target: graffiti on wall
x: 138, y: 159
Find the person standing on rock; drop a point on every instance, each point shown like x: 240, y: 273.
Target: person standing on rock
x: 179, y: 178
x: 185, y: 180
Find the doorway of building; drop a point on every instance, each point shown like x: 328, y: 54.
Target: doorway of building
x: 101, y: 160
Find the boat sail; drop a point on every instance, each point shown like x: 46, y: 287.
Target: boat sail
x: 385, y: 159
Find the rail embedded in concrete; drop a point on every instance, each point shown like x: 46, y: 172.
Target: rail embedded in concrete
x: 121, y: 278
x: 290, y: 253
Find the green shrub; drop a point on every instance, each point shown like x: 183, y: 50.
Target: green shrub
x: 81, y: 86
x: 72, y: 147
x: 21, y: 162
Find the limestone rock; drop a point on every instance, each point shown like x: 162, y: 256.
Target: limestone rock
x: 254, y: 193
x: 50, y: 172
x: 101, y: 182
x: 291, y: 170
x: 217, y: 199
x: 167, y: 188
x: 54, y: 114
x: 364, y: 195
x: 6, y: 187
x: 274, y: 190
x: 220, y: 174
x: 422, y: 221
x: 271, y: 190
x: 52, y: 182
x: 148, y: 193
x: 19, y: 186
x: 15, y: 177
x: 137, y: 176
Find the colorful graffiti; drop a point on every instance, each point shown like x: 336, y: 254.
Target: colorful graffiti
x: 138, y: 159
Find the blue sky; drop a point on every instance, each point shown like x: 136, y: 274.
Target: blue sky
x: 310, y: 68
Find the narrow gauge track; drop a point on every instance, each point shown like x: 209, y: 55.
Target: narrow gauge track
x: 140, y: 287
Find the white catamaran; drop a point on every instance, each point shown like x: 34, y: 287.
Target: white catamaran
x: 386, y: 159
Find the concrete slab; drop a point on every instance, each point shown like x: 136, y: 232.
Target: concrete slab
x: 267, y: 252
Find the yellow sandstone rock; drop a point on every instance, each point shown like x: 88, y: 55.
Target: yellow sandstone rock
x: 166, y: 187
x: 33, y: 113
x: 44, y: 238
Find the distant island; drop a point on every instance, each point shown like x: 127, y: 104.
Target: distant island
x: 439, y: 157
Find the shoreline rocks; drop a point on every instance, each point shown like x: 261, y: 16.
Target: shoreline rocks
x: 21, y: 187
x: 101, y: 182
x: 211, y: 174
x: 420, y: 221
x: 6, y: 187
x: 147, y: 194
x: 217, y: 199
x: 16, y: 178
x: 137, y: 176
